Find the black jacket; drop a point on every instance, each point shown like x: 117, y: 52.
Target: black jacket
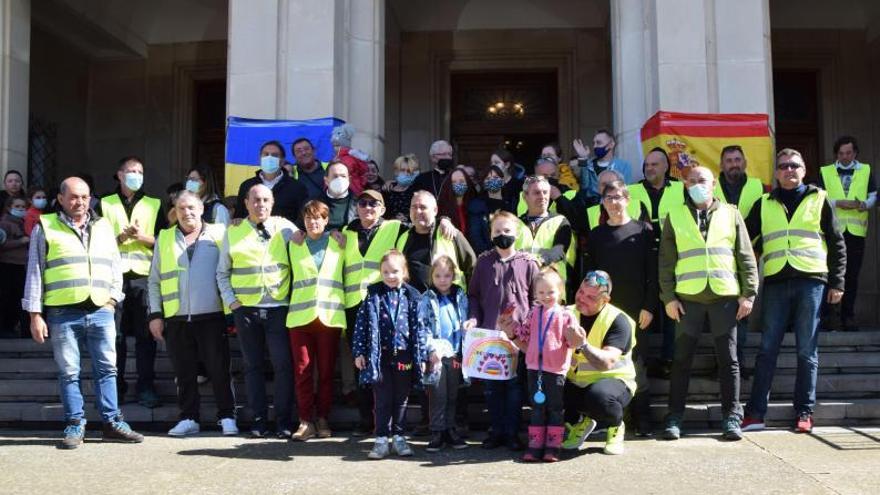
x: 290, y: 196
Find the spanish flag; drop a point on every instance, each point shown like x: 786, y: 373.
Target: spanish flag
x: 244, y: 137
x: 695, y: 139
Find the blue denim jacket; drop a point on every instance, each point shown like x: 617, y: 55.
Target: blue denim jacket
x: 590, y: 179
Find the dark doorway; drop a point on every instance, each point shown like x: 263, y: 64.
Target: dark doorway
x: 514, y: 110
x: 209, y: 132
x: 796, y: 104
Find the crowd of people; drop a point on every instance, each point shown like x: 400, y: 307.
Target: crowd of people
x: 325, y: 263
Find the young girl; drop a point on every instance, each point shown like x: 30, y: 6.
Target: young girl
x: 543, y: 337
x: 390, y: 347
x: 39, y: 202
x: 442, y: 314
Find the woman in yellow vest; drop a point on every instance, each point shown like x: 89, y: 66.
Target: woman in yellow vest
x: 316, y: 318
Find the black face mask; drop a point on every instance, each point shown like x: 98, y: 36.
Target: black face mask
x: 444, y: 164
x: 503, y: 241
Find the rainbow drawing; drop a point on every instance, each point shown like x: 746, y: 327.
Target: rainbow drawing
x: 489, y: 355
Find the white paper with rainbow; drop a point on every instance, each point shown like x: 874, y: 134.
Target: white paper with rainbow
x: 489, y: 354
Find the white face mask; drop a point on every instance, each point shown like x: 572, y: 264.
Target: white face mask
x: 338, y: 186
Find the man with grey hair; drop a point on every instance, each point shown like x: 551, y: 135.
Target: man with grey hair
x: 73, y: 284
x: 432, y: 181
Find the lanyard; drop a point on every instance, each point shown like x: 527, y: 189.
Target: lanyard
x: 542, y: 336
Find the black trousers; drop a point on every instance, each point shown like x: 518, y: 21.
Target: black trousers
x: 550, y: 412
x: 390, y: 395
x: 132, y: 318
x: 202, y: 341
x: 364, y: 393
x: 855, y: 253
x: 11, y: 292
x: 602, y: 401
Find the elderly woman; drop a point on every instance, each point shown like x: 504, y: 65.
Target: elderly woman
x: 627, y: 249
x: 602, y: 379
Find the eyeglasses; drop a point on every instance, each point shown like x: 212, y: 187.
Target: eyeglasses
x: 788, y: 166
x: 613, y: 198
x: 368, y: 203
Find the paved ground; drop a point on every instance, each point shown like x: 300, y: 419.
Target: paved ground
x: 832, y: 460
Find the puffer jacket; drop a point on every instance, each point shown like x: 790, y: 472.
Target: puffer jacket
x: 429, y: 307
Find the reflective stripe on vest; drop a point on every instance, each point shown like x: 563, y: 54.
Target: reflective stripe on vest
x: 169, y: 268
x: 710, y: 261
x: 317, y: 293
x: 136, y: 257
x: 673, y: 195
x: 361, y: 271
x: 798, y: 242
x: 582, y: 373
x: 853, y: 221
x: 441, y: 246
x: 751, y: 192
x: 74, y: 274
x: 593, y: 214
x: 542, y: 242
x: 260, y: 271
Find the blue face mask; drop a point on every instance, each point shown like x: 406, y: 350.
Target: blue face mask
x: 600, y: 152
x: 493, y: 184
x: 270, y: 164
x: 404, y: 179
x: 700, y: 194
x: 134, y: 181
x: 40, y: 203
x: 17, y: 212
x: 193, y: 186
x: 459, y: 188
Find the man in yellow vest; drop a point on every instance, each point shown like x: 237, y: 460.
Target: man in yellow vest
x: 708, y: 278
x: 546, y: 235
x: 852, y: 192
x: 804, y: 258
x: 253, y: 274
x: 186, y: 312
x: 602, y: 379
x: 73, y: 285
x: 136, y: 220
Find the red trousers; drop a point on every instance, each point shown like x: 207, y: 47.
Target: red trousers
x: 310, y: 343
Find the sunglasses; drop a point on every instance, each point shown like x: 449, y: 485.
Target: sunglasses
x: 594, y: 279
x: 368, y: 203
x: 788, y: 166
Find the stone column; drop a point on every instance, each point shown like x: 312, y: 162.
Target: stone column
x: 15, y: 48
x: 688, y: 56
x: 303, y: 59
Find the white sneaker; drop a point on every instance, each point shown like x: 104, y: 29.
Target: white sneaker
x: 183, y: 428
x: 380, y: 449
x: 228, y: 426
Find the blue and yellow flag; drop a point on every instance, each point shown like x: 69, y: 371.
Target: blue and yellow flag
x: 245, y: 136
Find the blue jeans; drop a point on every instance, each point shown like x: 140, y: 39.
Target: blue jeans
x: 259, y: 328
x: 794, y: 303
x: 68, y: 328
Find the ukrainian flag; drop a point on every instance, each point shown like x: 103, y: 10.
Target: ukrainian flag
x: 245, y: 136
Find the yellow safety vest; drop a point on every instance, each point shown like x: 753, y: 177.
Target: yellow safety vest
x: 750, y: 194
x: 593, y: 214
x: 136, y: 257
x: 673, y: 195
x: 317, y: 293
x: 522, y: 207
x: 705, y: 261
x: 542, y: 240
x: 362, y: 271
x: 582, y: 373
x: 798, y: 242
x: 169, y: 269
x: 295, y: 169
x: 74, y: 273
x: 853, y: 221
x: 260, y: 270
x: 441, y: 246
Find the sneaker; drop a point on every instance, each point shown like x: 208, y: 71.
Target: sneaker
x: 74, y: 434
x: 673, y: 429
x: 575, y: 434
x: 455, y: 441
x: 228, y: 426
x: 149, y: 399
x: 438, y: 441
x: 258, y: 428
x: 493, y: 442
x: 284, y: 434
x: 751, y: 423
x: 305, y: 431
x: 644, y: 428
x: 731, y: 429
x: 614, y: 439
x: 804, y: 423
x: 400, y: 446
x: 119, y: 431
x: 183, y: 428
x: 380, y: 449
x: 324, y: 428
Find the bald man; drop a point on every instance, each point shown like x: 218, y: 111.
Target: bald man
x: 74, y: 282
x: 708, y: 277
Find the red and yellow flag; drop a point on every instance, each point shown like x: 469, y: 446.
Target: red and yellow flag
x: 694, y: 139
